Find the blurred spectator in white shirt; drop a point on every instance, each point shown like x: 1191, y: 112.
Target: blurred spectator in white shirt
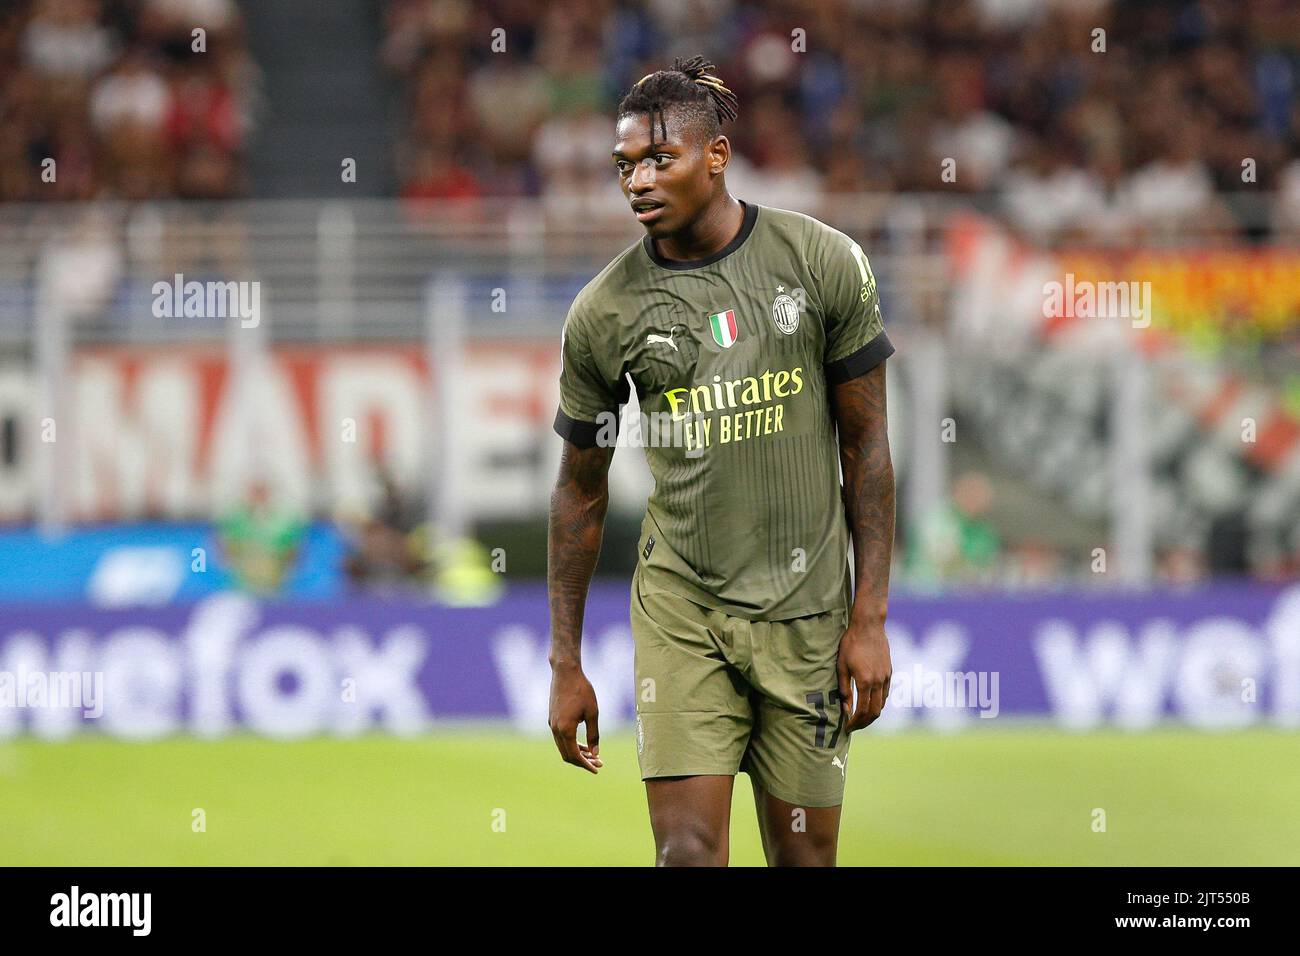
x: 1046, y: 197
x: 1176, y: 187
x: 979, y: 141
x: 65, y: 38
x: 133, y: 93
x: 572, y: 151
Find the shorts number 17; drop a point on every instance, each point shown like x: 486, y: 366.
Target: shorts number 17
x: 820, y: 702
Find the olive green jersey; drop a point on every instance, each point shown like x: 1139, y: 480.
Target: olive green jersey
x: 730, y: 357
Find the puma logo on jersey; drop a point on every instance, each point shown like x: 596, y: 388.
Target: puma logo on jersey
x: 653, y: 337
x: 836, y: 762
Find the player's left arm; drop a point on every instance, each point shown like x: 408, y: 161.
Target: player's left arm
x: 856, y: 350
x: 858, y: 406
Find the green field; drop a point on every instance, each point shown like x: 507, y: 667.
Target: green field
x: 1006, y: 796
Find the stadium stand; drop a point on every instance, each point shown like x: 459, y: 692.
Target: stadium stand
x: 108, y: 90
x: 1140, y: 137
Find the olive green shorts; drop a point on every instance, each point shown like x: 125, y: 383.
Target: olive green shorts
x: 718, y: 694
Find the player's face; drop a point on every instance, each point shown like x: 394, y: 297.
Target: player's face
x: 670, y: 182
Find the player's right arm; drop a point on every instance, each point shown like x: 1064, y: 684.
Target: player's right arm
x: 577, y: 523
x: 588, y: 398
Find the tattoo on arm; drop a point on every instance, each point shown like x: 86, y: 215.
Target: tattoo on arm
x: 858, y: 406
x: 577, y: 523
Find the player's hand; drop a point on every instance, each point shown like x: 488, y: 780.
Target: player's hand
x: 863, y: 662
x: 573, y: 702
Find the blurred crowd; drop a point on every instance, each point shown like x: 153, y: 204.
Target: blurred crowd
x: 1084, y: 115
x: 125, y: 99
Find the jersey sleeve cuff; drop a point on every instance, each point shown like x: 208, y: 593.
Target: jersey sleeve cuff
x: 860, y: 362
x: 583, y: 434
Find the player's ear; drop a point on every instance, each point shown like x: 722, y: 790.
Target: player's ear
x: 719, y: 154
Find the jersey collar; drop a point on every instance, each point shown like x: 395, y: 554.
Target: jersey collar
x: 746, y: 227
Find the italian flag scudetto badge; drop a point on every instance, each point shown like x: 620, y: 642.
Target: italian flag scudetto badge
x: 724, y: 327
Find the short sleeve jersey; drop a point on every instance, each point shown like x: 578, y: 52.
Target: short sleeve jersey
x: 731, y: 357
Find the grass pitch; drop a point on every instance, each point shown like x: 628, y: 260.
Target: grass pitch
x: 996, y: 797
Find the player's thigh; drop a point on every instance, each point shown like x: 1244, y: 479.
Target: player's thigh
x: 693, y: 714
x: 799, y: 749
x: 690, y: 818
x: 796, y: 835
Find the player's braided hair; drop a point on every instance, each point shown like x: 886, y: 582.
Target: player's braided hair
x: 688, y: 84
